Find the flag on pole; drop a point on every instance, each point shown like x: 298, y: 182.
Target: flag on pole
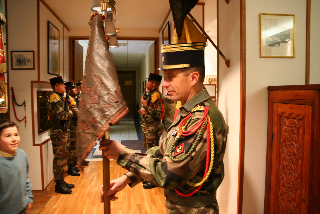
x: 102, y: 103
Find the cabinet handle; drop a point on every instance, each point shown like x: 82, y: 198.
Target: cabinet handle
x: 303, y: 199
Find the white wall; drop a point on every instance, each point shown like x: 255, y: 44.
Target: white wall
x: 22, y: 36
x: 315, y: 43
x: 229, y: 100
x: 261, y: 73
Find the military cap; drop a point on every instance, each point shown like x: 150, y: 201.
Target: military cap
x: 56, y: 80
x: 183, y: 55
x: 79, y: 83
x: 186, y: 51
x: 69, y: 84
x: 155, y: 77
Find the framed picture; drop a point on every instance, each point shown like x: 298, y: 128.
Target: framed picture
x: 43, y: 98
x: 166, y: 34
x: 22, y: 60
x: 53, y: 49
x: 277, y: 35
x: 211, y: 79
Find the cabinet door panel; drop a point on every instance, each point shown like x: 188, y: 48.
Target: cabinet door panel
x: 290, y: 158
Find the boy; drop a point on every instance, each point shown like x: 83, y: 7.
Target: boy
x: 15, y: 187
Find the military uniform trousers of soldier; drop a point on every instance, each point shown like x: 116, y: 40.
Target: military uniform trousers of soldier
x: 60, y: 117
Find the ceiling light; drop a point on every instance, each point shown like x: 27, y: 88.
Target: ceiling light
x: 113, y: 42
x: 109, y: 26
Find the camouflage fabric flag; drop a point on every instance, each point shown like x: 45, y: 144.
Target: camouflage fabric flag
x: 180, y: 8
x: 102, y: 103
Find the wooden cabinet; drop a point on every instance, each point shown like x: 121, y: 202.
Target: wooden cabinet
x: 293, y: 150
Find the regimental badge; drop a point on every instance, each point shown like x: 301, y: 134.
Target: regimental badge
x: 55, y: 100
x: 174, y: 132
x: 179, y: 149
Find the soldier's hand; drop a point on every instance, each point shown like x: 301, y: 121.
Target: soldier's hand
x: 144, y: 102
x: 69, y: 100
x: 142, y: 111
x: 70, y: 112
x: 111, y: 148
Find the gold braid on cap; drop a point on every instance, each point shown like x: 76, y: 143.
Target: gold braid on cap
x: 183, y: 47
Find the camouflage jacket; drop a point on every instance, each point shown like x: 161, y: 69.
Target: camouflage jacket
x: 154, y: 110
x: 57, y: 114
x: 157, y: 167
x: 75, y: 112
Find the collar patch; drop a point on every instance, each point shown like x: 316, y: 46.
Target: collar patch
x: 179, y: 149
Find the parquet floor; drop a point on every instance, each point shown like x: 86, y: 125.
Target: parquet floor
x: 85, y: 197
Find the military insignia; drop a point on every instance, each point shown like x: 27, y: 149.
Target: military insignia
x: 55, y: 100
x: 162, y: 58
x: 174, y: 133
x: 179, y: 149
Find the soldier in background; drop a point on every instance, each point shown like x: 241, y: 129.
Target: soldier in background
x: 152, y: 114
x: 60, y: 114
x: 72, y: 160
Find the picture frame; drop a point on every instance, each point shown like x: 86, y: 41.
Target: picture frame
x: 22, y: 60
x: 166, y: 34
x: 277, y: 35
x: 211, y: 79
x: 53, y: 49
x: 43, y: 97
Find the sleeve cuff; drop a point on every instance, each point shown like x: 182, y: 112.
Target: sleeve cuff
x: 133, y: 178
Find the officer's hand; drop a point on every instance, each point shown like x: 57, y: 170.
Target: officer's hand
x: 142, y: 111
x: 111, y: 148
x: 70, y: 112
x: 115, y: 186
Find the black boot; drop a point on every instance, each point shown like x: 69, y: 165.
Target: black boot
x: 61, y: 187
x: 85, y: 163
x: 72, y: 170
x: 69, y: 186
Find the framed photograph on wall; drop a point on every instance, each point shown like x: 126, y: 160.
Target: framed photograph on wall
x: 22, y: 60
x: 277, y: 35
x: 211, y: 79
x: 53, y: 49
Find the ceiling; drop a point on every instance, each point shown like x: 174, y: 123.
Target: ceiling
x: 130, y: 15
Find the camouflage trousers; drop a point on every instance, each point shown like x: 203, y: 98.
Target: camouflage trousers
x: 176, y: 204
x: 72, y: 160
x: 60, y: 146
x: 151, y: 135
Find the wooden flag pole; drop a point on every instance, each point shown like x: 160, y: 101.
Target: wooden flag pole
x: 106, y: 180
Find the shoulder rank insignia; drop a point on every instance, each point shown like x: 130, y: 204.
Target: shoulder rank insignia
x: 179, y: 149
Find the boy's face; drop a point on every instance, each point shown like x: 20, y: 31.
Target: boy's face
x: 9, y: 140
x: 60, y: 88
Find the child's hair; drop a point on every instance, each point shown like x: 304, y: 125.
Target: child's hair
x: 6, y: 124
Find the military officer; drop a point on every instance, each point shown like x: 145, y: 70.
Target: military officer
x: 59, y: 113
x: 188, y: 164
x: 72, y: 159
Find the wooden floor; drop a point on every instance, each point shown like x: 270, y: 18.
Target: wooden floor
x: 85, y: 197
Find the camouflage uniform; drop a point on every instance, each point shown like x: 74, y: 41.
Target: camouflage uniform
x: 72, y: 160
x: 157, y: 166
x: 59, y: 133
x: 152, y: 126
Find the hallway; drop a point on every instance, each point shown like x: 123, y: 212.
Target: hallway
x: 85, y: 197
